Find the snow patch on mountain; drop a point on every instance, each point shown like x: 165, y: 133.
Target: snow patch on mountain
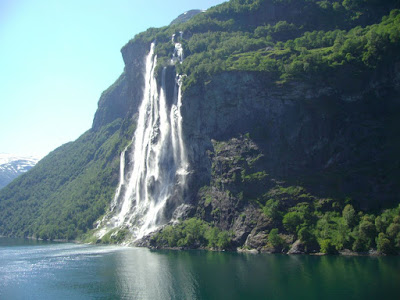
x: 11, y: 166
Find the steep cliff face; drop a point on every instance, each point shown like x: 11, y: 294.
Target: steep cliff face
x: 122, y: 99
x: 247, y: 136
x: 302, y: 129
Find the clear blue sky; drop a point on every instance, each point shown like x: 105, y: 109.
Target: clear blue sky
x: 56, y: 57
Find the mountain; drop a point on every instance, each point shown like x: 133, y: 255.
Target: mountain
x: 264, y: 125
x: 12, y: 166
x: 186, y: 16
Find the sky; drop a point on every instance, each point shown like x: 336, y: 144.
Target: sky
x: 56, y: 58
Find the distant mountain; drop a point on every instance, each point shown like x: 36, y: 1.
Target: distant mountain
x: 12, y: 166
x: 186, y: 16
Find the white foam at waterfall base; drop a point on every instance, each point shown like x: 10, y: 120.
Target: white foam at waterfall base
x: 158, y: 162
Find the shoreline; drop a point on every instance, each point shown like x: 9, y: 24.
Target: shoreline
x: 345, y: 252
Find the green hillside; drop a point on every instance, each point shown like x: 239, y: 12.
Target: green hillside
x: 68, y: 190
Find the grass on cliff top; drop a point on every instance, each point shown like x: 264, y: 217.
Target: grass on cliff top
x: 327, y: 37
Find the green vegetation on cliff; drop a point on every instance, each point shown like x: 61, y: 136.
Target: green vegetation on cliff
x: 334, y: 225
x: 288, y: 39
x: 192, y: 233
x: 276, y: 214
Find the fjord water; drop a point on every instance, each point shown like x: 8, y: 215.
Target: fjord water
x: 40, y: 270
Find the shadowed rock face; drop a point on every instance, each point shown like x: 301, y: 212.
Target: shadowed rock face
x: 301, y: 129
x: 335, y: 143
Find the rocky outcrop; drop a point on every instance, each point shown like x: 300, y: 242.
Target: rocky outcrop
x: 122, y: 99
x: 297, y: 248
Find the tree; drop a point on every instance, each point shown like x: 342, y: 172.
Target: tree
x: 393, y: 230
x: 212, y: 236
x: 307, y: 237
x: 383, y: 244
x: 224, y: 240
x: 275, y: 239
x: 379, y: 224
x: 367, y: 229
x: 271, y: 209
x: 341, y: 235
x: 327, y: 247
x: 367, y: 232
x: 349, y: 215
x: 351, y: 4
x: 359, y: 245
x: 291, y: 221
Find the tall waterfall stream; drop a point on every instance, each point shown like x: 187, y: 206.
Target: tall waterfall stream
x: 158, y: 165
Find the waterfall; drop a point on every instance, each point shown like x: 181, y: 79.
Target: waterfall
x: 158, y: 162
x: 121, y: 183
x: 178, y: 51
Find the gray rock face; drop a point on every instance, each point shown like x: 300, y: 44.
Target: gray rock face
x: 297, y: 248
x: 301, y: 129
x: 122, y: 99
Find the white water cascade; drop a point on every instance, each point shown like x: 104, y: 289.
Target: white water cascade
x: 159, y: 166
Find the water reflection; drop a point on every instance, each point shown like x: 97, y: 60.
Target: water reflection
x: 209, y: 275
x: 66, y: 271
x: 143, y: 274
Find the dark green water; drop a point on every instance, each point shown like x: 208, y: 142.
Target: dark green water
x: 38, y: 270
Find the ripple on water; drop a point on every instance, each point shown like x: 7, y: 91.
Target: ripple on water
x: 69, y: 271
